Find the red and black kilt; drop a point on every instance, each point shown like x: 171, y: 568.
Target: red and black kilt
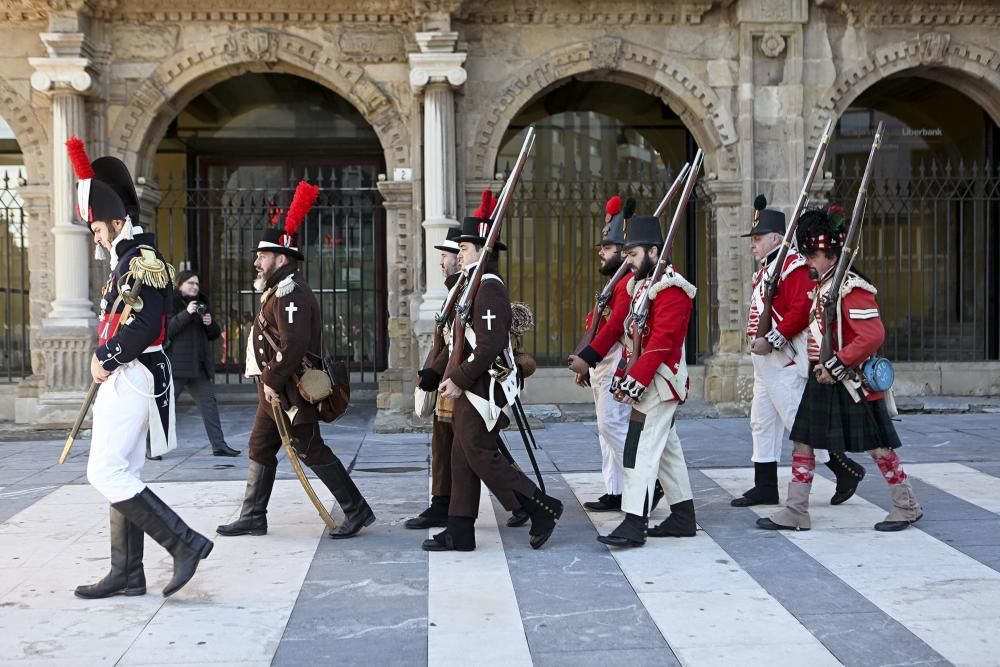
x: 828, y: 418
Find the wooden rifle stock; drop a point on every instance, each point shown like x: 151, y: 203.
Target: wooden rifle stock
x: 771, y: 277
x: 464, y: 303
x: 605, y: 294
x: 641, y: 312
x: 849, y: 251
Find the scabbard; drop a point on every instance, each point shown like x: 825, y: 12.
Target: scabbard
x: 285, y: 431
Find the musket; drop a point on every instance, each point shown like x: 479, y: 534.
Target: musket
x: 285, y: 432
x: 605, y: 294
x: 849, y: 251
x: 771, y: 277
x: 463, y: 307
x: 133, y: 303
x: 640, y: 312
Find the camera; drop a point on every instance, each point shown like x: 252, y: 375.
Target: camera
x: 201, y: 308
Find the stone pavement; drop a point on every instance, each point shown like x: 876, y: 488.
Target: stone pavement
x: 839, y: 594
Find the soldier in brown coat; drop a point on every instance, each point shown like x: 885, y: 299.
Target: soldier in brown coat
x: 476, y: 386
x: 286, y: 330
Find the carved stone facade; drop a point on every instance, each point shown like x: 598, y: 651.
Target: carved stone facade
x: 754, y: 81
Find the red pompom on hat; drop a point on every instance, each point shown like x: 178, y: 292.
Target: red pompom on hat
x: 78, y: 158
x: 614, y: 206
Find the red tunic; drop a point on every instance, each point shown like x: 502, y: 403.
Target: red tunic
x: 612, y: 324
x: 792, y: 301
x: 860, y: 332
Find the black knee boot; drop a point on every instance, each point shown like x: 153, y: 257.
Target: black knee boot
x: 765, y: 487
x: 630, y: 533
x: 849, y: 474
x: 544, y: 512
x: 357, y: 513
x: 126, y: 576
x: 435, y: 516
x: 253, y: 515
x: 460, y: 535
x: 680, y: 523
x: 157, y: 520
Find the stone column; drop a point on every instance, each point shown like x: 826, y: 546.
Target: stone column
x: 434, y: 73
x: 67, y: 334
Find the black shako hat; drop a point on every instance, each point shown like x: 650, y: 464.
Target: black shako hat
x: 616, y: 215
x: 282, y: 241
x: 450, y: 243
x: 643, y: 230
x: 476, y: 227
x: 765, y: 220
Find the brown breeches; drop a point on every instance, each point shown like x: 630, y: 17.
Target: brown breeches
x: 476, y: 456
x: 441, y: 439
x: 265, y: 442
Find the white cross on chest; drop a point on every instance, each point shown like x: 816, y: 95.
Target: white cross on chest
x: 489, y: 317
x: 290, y: 309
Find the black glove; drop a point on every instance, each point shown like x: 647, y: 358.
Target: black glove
x: 429, y: 379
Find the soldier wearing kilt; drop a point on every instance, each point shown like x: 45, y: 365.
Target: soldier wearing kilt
x: 780, y: 362
x: 839, y: 413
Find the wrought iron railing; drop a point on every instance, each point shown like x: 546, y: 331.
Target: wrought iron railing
x: 15, y: 353
x: 212, y: 224
x: 931, y: 245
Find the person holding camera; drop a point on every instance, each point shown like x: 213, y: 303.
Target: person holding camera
x: 189, y: 333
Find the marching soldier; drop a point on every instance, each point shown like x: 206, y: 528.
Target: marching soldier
x: 287, y: 328
x: 838, y: 413
x: 596, y: 363
x: 780, y: 362
x: 135, y: 395
x: 654, y: 384
x: 436, y: 516
x: 484, y: 382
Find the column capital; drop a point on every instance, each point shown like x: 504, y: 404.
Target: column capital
x: 437, y: 61
x: 69, y: 65
x: 723, y: 193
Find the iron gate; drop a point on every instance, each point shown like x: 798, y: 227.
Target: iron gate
x: 213, y: 222
x: 15, y: 355
x: 554, y: 225
x: 931, y: 245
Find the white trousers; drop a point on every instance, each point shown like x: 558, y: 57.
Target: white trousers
x: 612, y: 420
x: 777, y: 392
x: 118, y: 443
x: 658, y: 456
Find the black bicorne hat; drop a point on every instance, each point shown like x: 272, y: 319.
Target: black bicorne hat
x: 112, y: 172
x: 450, y: 243
x: 643, y: 230
x: 476, y: 227
x: 101, y: 186
x: 765, y: 220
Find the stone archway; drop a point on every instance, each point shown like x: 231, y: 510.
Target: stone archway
x: 188, y: 73
x: 615, y: 60
x: 32, y: 137
x: 971, y: 69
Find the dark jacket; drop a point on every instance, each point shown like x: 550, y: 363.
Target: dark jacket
x: 189, y: 350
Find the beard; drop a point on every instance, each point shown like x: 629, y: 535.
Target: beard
x: 610, y: 267
x: 260, y: 284
x: 645, y: 268
x: 813, y: 273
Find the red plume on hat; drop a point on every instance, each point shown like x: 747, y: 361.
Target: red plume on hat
x: 305, y: 197
x: 486, y: 206
x: 78, y: 158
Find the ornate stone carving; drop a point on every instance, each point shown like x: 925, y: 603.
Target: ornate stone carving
x: 908, y: 14
x: 607, y: 53
x: 932, y: 47
x: 772, y: 44
x: 773, y: 11
x: 372, y: 46
x: 255, y: 45
x: 574, y: 12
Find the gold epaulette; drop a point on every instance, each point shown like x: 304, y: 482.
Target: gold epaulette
x: 150, y: 270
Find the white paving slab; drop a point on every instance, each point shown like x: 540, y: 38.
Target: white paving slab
x: 471, y: 605
x: 710, y: 611
x: 941, y: 595
x: 234, y: 610
x: 961, y: 481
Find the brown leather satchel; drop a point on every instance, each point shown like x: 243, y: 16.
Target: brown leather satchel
x: 322, y: 382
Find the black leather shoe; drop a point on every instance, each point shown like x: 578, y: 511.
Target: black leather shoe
x: 895, y: 526
x: 225, y: 450
x: 765, y: 487
x: 517, y: 518
x: 606, y: 503
x: 754, y: 497
x: 767, y: 524
x: 435, y: 516
x: 354, y: 522
x: 680, y: 523
x: 153, y: 458
x: 357, y: 513
x: 630, y: 533
x: 460, y: 535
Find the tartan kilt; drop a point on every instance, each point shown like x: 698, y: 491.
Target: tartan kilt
x: 828, y: 418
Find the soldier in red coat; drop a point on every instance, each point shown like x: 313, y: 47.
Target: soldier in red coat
x: 780, y: 361
x: 838, y: 412
x: 596, y: 363
x: 654, y: 384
